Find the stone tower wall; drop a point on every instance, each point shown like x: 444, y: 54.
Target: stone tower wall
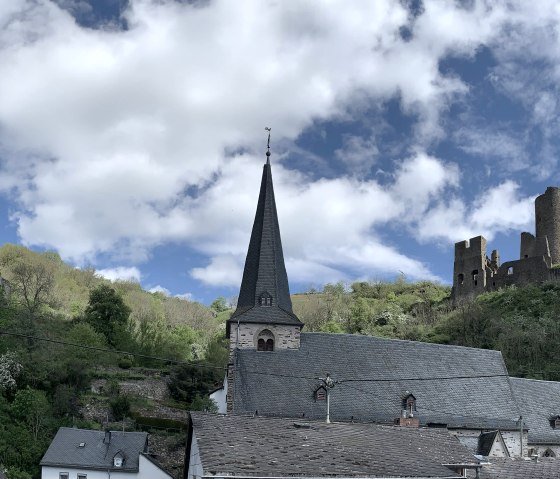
x: 547, y: 220
x: 285, y: 337
x: 469, y: 271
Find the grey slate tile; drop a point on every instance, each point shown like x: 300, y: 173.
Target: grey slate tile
x: 538, y: 402
x: 267, y: 447
x: 444, y: 379
x: 64, y: 450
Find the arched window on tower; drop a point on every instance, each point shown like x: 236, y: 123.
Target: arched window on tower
x: 265, y: 341
x: 265, y: 299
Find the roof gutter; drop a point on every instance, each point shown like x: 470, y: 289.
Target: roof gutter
x: 332, y: 476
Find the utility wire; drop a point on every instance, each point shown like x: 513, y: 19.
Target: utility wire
x: 115, y: 351
x: 262, y: 373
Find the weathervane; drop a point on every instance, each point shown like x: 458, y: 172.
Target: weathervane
x: 268, y: 145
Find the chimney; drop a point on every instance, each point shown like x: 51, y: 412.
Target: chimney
x: 407, y: 419
x: 107, y: 438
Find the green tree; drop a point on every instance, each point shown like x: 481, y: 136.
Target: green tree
x: 32, y: 407
x: 107, y: 313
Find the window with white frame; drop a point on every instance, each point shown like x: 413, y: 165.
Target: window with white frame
x: 63, y: 475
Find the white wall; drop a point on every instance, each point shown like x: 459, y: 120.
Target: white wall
x: 219, y: 397
x: 195, y: 465
x: 147, y: 470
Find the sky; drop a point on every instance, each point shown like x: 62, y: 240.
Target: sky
x: 132, y: 133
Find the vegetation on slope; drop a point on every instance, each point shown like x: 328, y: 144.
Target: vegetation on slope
x: 522, y: 322
x: 44, y: 384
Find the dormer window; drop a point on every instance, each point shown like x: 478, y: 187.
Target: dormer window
x: 265, y: 341
x: 320, y: 394
x: 555, y: 422
x: 118, y: 459
x: 265, y: 299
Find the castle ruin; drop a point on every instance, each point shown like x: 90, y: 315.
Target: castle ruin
x: 475, y: 273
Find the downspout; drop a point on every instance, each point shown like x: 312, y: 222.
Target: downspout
x: 188, y: 448
x: 521, y: 435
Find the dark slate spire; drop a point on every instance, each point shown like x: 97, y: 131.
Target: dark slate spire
x: 264, y: 296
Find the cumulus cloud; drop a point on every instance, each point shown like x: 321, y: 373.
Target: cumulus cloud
x: 120, y: 273
x: 115, y: 141
x: 500, y: 209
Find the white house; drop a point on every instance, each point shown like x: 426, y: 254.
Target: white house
x: 86, y: 454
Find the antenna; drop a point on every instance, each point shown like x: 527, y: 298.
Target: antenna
x: 268, y: 145
x: 329, y: 384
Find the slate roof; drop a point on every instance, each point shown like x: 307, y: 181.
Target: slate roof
x: 519, y: 468
x: 374, y: 373
x: 273, y: 447
x: 538, y: 402
x: 65, y: 451
x: 265, y: 270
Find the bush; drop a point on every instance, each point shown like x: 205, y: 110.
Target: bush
x: 125, y: 363
x: 120, y: 407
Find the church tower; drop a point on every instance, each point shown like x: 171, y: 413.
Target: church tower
x: 264, y: 320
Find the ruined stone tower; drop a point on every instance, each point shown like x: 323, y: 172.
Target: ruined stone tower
x: 547, y: 220
x: 474, y: 272
x: 264, y: 320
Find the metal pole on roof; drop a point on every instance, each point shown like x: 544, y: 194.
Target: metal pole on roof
x: 521, y: 435
x: 329, y: 384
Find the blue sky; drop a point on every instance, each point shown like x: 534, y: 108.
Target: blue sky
x: 132, y: 133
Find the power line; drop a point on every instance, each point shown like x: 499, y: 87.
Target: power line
x: 383, y: 380
x: 115, y: 351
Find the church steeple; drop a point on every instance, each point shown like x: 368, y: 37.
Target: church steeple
x: 264, y: 296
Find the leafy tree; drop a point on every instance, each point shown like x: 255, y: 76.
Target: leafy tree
x: 219, y: 305
x: 120, y: 407
x: 32, y: 407
x: 31, y: 277
x: 107, y: 313
x: 10, y: 369
x: 187, y: 381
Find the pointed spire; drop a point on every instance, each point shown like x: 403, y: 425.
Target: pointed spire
x: 265, y: 295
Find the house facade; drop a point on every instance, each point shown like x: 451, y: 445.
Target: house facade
x: 87, y: 454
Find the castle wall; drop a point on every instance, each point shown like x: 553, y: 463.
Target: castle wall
x: 470, y: 268
x: 522, y: 271
x: 547, y: 220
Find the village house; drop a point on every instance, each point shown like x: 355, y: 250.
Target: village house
x: 87, y: 454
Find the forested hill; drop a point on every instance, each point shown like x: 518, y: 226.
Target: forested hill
x: 522, y: 322
x: 72, y: 342
x: 62, y: 329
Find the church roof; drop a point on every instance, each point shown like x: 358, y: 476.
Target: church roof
x: 279, y: 447
x: 453, y: 385
x: 539, y: 402
x: 518, y: 468
x: 265, y: 272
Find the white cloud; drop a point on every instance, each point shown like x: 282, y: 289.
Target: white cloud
x: 358, y: 153
x: 120, y: 273
x: 103, y: 131
x: 160, y: 289
x: 500, y: 209
x: 222, y: 271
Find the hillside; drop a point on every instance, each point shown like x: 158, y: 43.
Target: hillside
x: 82, y: 351
x: 522, y: 322
x: 64, y: 334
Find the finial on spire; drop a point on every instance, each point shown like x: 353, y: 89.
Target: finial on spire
x: 268, y: 145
